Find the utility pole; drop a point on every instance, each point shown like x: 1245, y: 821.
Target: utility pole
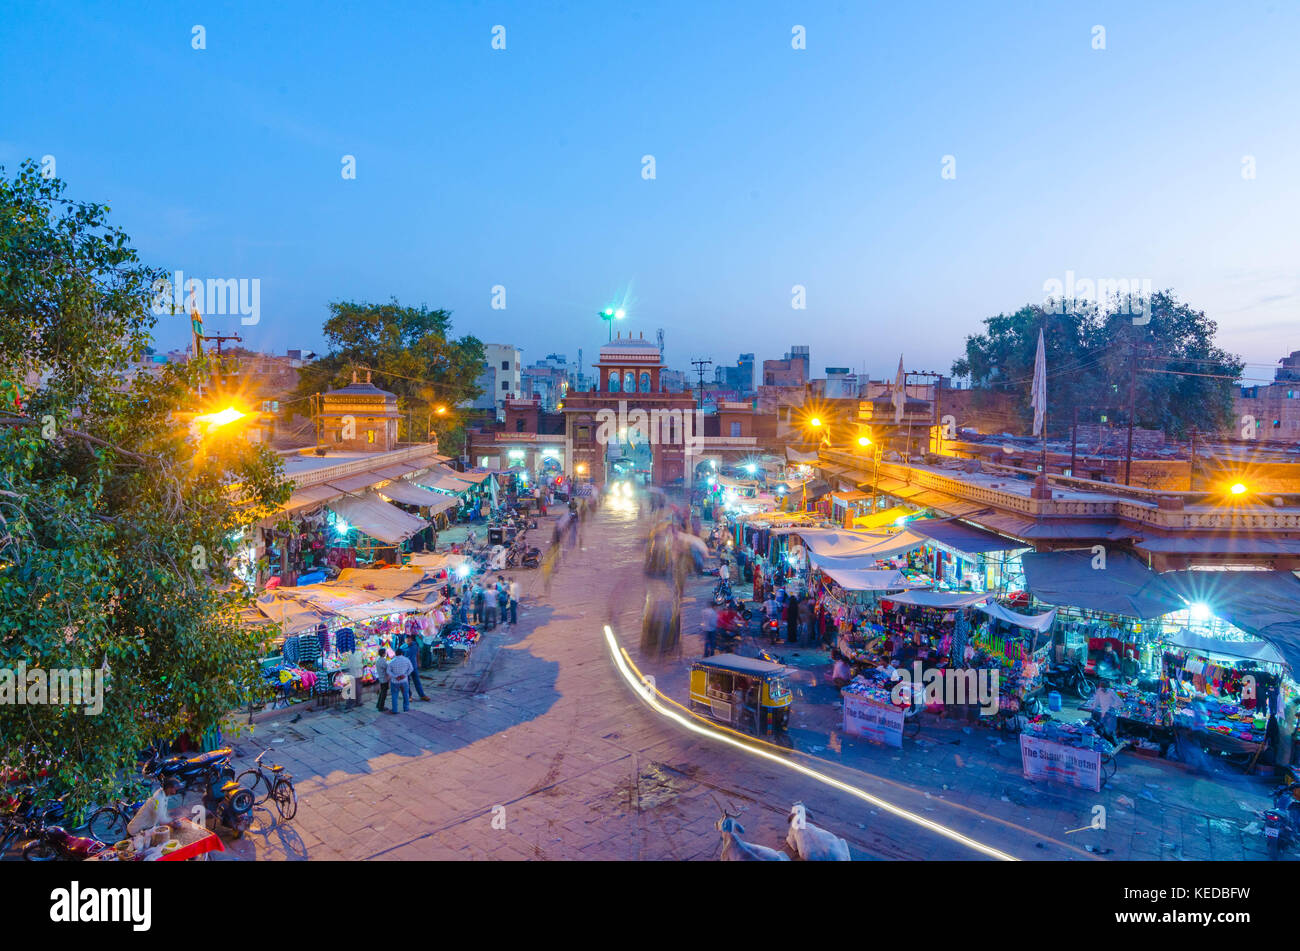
x: 1191, y: 468
x: 1132, y: 408
x: 1074, y: 439
x: 700, y: 365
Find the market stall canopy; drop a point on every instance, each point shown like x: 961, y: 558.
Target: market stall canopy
x: 410, y: 494
x: 867, y: 579
x: 940, y: 599
x: 437, y: 561
x: 814, y: 489
x: 881, y: 518
x: 1250, y: 650
x: 1124, y: 586
x: 447, y: 481
x: 385, y: 582
x: 378, y: 519
x: 828, y: 547
x: 281, y: 606
x: 311, y: 497
x: 794, y: 455
x: 1263, y: 603
x: 1252, y: 600
x: 1030, y: 622
x: 962, y: 537
x: 474, y: 477
x: 363, y: 612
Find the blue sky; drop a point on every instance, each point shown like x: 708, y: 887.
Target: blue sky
x: 775, y: 167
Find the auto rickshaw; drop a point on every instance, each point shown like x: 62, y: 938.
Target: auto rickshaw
x: 742, y: 691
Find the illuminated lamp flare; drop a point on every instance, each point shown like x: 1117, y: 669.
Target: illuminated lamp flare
x: 215, y: 421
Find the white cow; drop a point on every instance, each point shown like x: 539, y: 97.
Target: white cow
x: 813, y: 844
x: 736, y: 849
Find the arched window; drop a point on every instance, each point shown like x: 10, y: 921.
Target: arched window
x: 613, y: 381
x: 629, y: 382
x: 645, y: 381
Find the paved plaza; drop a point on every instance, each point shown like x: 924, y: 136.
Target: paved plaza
x: 537, y: 749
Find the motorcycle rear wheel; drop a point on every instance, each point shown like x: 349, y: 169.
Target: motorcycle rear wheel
x: 1084, y: 687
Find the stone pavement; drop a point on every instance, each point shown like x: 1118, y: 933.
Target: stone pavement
x: 545, y: 753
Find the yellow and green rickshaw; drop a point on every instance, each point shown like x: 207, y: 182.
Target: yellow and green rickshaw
x: 742, y: 691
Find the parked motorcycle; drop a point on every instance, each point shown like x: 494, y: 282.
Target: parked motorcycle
x: 55, y: 842
x: 1070, y: 676
x: 210, y: 770
x: 722, y: 592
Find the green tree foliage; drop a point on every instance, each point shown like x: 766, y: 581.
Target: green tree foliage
x: 410, y: 354
x: 117, y: 516
x: 1183, y: 380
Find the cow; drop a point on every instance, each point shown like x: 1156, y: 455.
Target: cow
x: 736, y: 849
x: 813, y: 844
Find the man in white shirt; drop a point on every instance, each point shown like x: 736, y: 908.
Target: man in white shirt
x: 514, y: 602
x: 399, y: 678
x: 1105, y: 709
x: 724, y: 570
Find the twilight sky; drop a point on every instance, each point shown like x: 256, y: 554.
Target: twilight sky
x: 774, y: 167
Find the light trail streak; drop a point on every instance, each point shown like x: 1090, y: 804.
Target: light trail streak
x: 652, y: 697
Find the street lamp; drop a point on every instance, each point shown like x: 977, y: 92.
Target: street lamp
x: 610, y: 315
x: 215, y: 421
x: 1238, y: 489
x: 864, y: 442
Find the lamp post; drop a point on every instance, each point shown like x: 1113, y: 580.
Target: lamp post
x: 609, y: 314
x: 864, y: 442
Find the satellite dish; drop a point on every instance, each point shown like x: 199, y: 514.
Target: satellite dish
x: 1009, y: 449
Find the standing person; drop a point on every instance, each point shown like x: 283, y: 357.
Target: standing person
x: 514, y: 602
x: 399, y: 673
x: 806, y: 622
x: 412, y: 653
x: 354, y: 668
x: 381, y: 674
x: 479, y: 599
x: 792, y: 619
x: 433, y: 537
x: 710, y: 630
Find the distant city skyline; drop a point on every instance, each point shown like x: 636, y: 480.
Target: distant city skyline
x: 484, y: 174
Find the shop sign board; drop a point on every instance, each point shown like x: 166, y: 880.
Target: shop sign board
x: 873, y: 721
x: 1042, y: 759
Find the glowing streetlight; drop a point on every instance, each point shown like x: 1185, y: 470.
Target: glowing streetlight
x: 215, y: 421
x: 864, y: 442
x: 609, y: 314
x: 815, y: 422
x: 1237, y: 489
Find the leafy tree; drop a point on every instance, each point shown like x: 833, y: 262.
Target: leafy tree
x: 410, y: 354
x: 116, y: 513
x: 1182, y: 380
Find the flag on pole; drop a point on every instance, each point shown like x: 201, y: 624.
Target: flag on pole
x: 899, y: 392
x: 1039, y: 401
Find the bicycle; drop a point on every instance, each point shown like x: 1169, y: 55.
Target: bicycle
x: 271, y: 783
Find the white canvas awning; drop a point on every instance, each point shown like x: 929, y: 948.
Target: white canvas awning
x: 870, y: 579
x: 1030, y: 622
x: 411, y: 494
x: 378, y: 519
x: 939, y: 599
x: 833, y: 548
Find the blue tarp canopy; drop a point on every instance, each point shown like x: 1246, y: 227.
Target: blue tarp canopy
x: 1112, y: 582
x: 962, y: 537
